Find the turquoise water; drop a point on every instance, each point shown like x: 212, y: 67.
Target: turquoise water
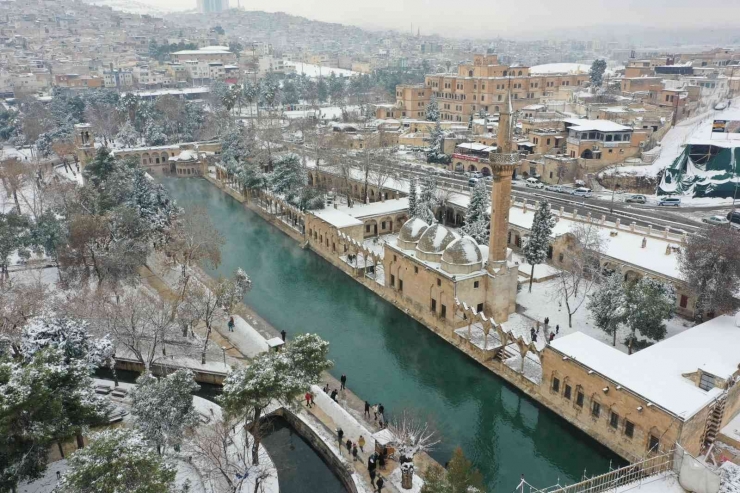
x: 388, y: 357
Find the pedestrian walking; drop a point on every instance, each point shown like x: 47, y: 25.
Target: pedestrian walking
x: 531, y: 333
x: 343, y: 382
x: 283, y: 334
x: 375, y: 412
x: 367, y: 409
x: 354, y: 452
x: 547, y: 321
x: 380, y: 483
x: 231, y: 324
x: 557, y: 329
x: 312, y: 401
x: 340, y: 435
x: 552, y: 336
x: 308, y: 399
x: 348, y: 444
x: 361, y: 443
x: 371, y: 472
x: 534, y: 337
x: 381, y: 409
x: 334, y: 395
x: 326, y: 388
x: 381, y: 461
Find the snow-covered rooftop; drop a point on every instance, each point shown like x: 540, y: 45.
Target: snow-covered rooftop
x: 207, y: 50
x: 653, y: 378
x: 475, y: 146
x: 560, y: 68
x: 582, y: 125
x: 337, y: 218
x: 376, y: 208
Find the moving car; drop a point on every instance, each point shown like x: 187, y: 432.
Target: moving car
x: 670, y: 201
x: 554, y: 188
x: 636, y: 199
x: 582, y: 192
x: 734, y: 217
x: 534, y: 183
x: 716, y: 220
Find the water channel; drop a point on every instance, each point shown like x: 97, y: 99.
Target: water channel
x: 389, y: 357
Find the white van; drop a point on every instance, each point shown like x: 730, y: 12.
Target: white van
x: 581, y: 192
x: 670, y: 201
x: 534, y: 183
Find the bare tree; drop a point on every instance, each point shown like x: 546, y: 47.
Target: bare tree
x: 221, y: 450
x: 19, y: 302
x: 581, y: 269
x: 13, y: 176
x: 413, y: 435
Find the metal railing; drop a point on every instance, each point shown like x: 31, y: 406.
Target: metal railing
x: 610, y: 481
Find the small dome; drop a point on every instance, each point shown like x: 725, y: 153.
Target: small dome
x: 435, y: 239
x: 412, y: 230
x: 463, y: 251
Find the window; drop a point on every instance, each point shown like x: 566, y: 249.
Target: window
x: 400, y: 284
x: 439, y: 282
x: 560, y: 257
x: 614, y: 420
x: 706, y: 382
x: 653, y: 443
x: 367, y: 228
x: 579, y: 399
x: 395, y: 258
x: 479, y: 308
x: 434, y: 305
x: 684, y: 301
x: 629, y: 428
x: 393, y: 280
x: 549, y: 252
x: 476, y: 284
x: 595, y: 409
x: 416, y: 270
x: 443, y: 313
x: 555, y: 384
x: 567, y: 391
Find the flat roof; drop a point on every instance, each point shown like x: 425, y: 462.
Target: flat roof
x: 650, y: 375
x: 337, y: 218
x: 377, y: 208
x: 582, y: 125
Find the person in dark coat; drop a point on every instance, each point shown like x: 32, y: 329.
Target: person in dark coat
x: 367, y: 409
x: 340, y: 435
x: 334, y: 395
x: 343, y: 382
x: 354, y: 452
x: 557, y: 329
x: 349, y: 445
x: 380, y: 484
x: 231, y: 324
x: 283, y: 334
x: 381, y: 409
x: 371, y: 467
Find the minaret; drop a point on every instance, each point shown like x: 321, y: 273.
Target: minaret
x: 503, y: 162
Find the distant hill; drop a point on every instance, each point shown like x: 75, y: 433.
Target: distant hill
x: 129, y: 6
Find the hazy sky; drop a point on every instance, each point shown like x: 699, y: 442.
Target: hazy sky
x: 488, y: 18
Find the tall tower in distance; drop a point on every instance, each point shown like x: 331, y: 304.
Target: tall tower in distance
x: 503, y: 162
x: 211, y: 6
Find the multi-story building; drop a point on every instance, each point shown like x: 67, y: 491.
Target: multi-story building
x: 78, y: 81
x: 603, y: 141
x: 118, y: 79
x: 480, y: 86
x: 207, y: 54
x: 212, y: 6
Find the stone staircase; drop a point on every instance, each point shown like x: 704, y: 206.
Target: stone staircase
x: 714, y: 420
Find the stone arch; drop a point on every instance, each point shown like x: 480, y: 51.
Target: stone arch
x: 165, y: 157
x: 587, y: 154
x: 485, y: 171
x: 388, y: 220
x: 400, y: 221
x: 472, y: 167
x: 632, y: 276
x: 145, y: 158
x: 371, y: 228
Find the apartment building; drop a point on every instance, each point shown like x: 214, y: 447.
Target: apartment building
x: 603, y: 141
x: 207, y: 54
x: 480, y: 86
x: 118, y: 78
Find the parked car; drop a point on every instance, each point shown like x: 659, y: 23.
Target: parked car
x: 472, y: 182
x: 636, y: 199
x: 720, y: 106
x: 554, y: 188
x: 534, y: 183
x: 582, y: 192
x: 734, y: 218
x: 716, y: 220
x: 669, y: 202
x: 476, y: 174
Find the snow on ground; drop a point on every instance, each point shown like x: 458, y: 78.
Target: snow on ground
x: 732, y: 429
x: 541, y: 271
x: 395, y: 479
x: 350, y: 425
x: 560, y: 68
x: 318, y: 71
x: 47, y: 482
x: 545, y: 301
x: 245, y: 338
x: 532, y: 367
x: 71, y: 173
x: 324, y: 113
x: 662, y: 483
x: 729, y: 478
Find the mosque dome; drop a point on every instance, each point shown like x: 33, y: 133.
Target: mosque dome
x: 434, y: 241
x: 187, y: 156
x: 411, y: 232
x: 462, y: 256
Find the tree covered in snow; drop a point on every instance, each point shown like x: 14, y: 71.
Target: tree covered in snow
x: 608, y: 303
x: 152, y: 203
x: 650, y: 303
x: 459, y: 477
x: 413, y: 198
x: 70, y: 336
x: 115, y: 461
x: 538, y: 242
x: 309, y: 354
x: 476, y: 220
x: 15, y: 231
x: 710, y: 265
x: 596, y: 72
x: 154, y: 134
x: 101, y: 167
x: 231, y: 291
x: 435, y: 151
x: 127, y: 135
x: 44, y: 400
x: 412, y: 435
x: 289, y: 175
x: 432, y: 112
x: 233, y: 144
x: 163, y: 408
x: 427, y: 200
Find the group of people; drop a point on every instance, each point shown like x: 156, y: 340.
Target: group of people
x: 533, y: 333
x: 373, y: 462
x: 378, y: 412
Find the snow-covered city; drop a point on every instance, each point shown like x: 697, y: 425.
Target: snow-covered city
x: 355, y: 248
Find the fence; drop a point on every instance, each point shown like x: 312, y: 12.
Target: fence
x: 651, y: 466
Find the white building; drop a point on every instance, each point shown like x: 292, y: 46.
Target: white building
x: 118, y: 78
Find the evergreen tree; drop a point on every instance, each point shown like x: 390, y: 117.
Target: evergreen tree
x: 460, y: 477
x: 118, y: 460
x: 435, y: 151
x: 154, y: 134
x: 432, y: 113
x: 127, y: 135
x: 427, y: 200
x: 476, y: 221
x: 607, y: 305
x: 538, y: 242
x: 413, y: 198
x: 649, y: 303
x: 100, y: 168
x: 598, y: 67
x: 288, y: 176
x: 163, y: 408
x: 309, y: 354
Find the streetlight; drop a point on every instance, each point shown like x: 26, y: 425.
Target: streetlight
x: 614, y: 189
